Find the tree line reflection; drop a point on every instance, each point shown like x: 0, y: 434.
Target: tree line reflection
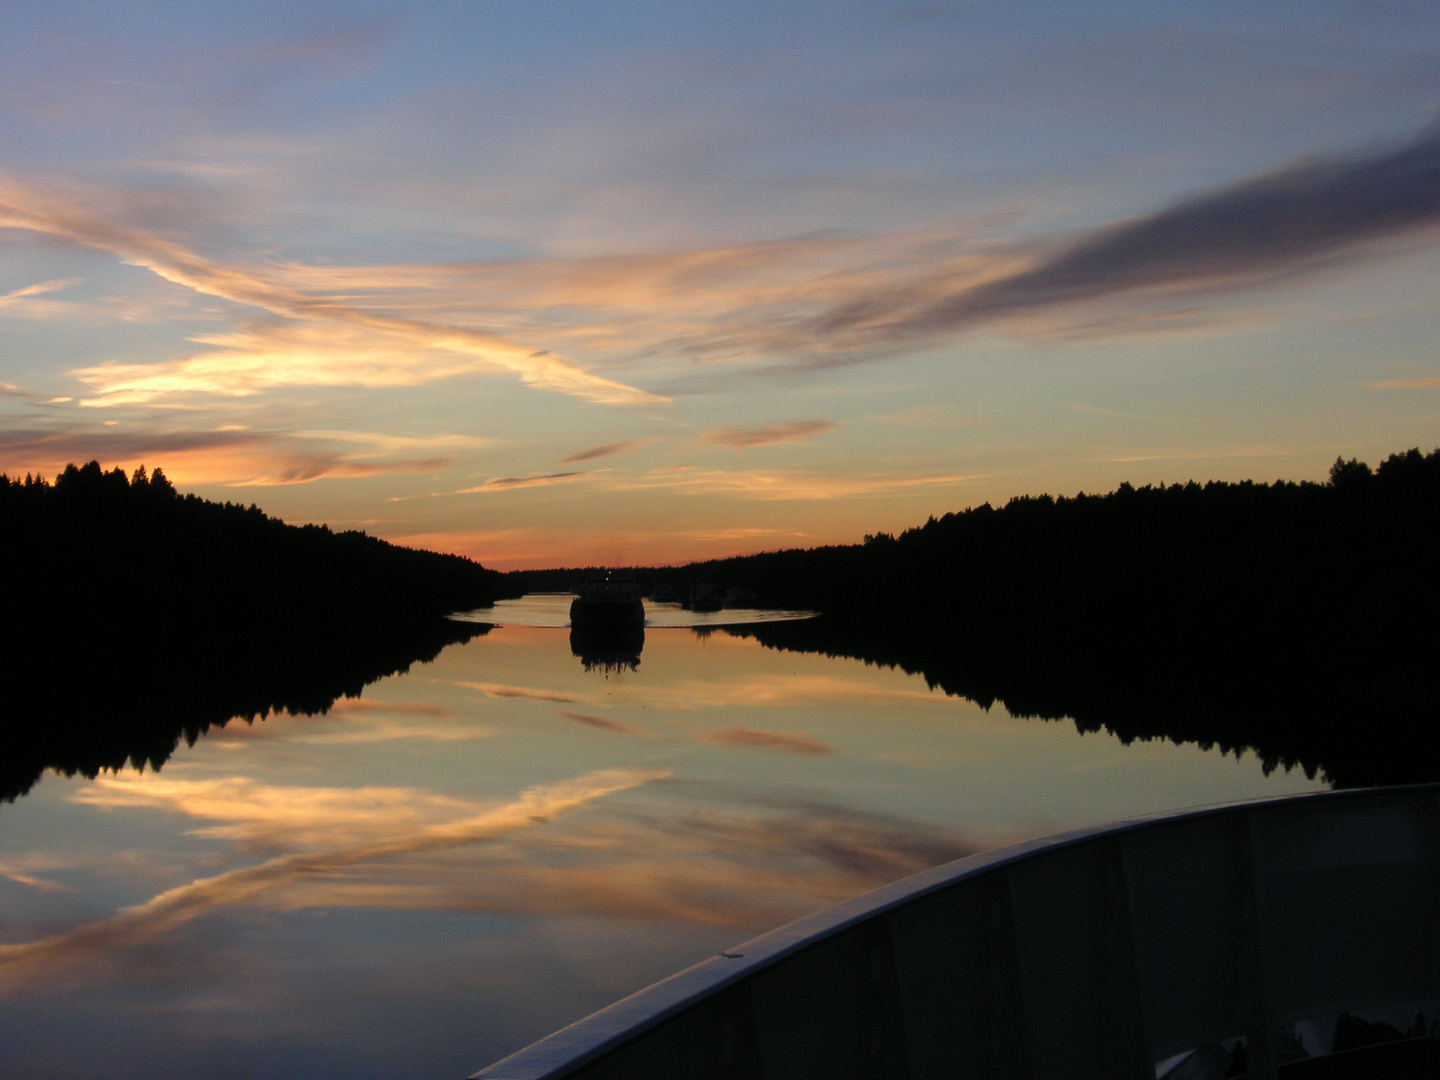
x: 136, y: 616
x: 117, y: 707
x: 1290, y: 709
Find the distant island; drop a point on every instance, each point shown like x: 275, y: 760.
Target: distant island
x: 1299, y: 620
x: 135, y: 616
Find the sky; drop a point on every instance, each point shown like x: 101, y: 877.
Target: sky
x: 571, y: 283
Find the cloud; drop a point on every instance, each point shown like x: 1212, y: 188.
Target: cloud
x: 510, y: 483
x: 742, y: 438
x: 25, y: 302
x: 21, y: 870
x: 804, y: 301
x: 601, y: 723
x: 744, y: 532
x: 756, y: 866
x: 776, y: 485
x: 604, y: 450
x: 174, y: 907
x: 1425, y: 382
x: 235, y: 456
x: 1278, y: 223
x: 865, y: 847
x: 504, y: 691
x: 752, y: 738
x: 304, y: 470
x: 276, y: 817
x: 365, y: 720
x: 834, y: 299
x: 390, y: 708
x: 300, y: 350
x: 666, y: 310
x: 772, y: 691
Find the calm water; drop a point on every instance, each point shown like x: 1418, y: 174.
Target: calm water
x: 476, y: 853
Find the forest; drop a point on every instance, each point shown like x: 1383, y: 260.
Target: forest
x: 133, y: 552
x: 1347, y: 567
x: 135, y: 616
x: 1296, y: 620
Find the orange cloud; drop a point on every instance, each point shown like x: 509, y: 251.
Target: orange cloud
x: 775, y: 485
x: 399, y: 708
x: 744, y: 438
x: 501, y: 690
x: 751, y: 738
x: 604, y: 450
x: 278, y: 811
x: 314, y: 343
x: 511, y: 483
x: 602, y: 723
x: 1426, y: 382
x: 233, y: 456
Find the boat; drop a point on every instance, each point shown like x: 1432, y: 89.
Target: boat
x: 1283, y: 938
x: 608, y: 599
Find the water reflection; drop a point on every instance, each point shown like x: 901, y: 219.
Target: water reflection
x: 486, y: 848
x: 113, y: 709
x: 1294, y: 711
x: 608, y: 648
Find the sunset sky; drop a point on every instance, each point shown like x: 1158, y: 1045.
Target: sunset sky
x: 561, y: 283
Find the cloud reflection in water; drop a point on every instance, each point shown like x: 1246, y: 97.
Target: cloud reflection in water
x: 536, y: 805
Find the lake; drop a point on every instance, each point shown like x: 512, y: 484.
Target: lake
x: 477, y: 852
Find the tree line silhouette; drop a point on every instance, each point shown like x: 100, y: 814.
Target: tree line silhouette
x: 135, y: 616
x: 1348, y: 567
x: 1299, y: 620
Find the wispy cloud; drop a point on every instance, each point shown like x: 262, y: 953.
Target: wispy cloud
x: 604, y: 450
x: 806, y: 301
x: 390, y: 708
x: 252, y: 884
x: 828, y: 300
x: 21, y: 869
x: 26, y: 301
x: 1424, y: 382
x: 603, y: 723
x: 1211, y: 454
x: 1271, y: 225
x: 235, y: 456
x: 300, y: 350
x: 667, y: 311
x: 772, y: 691
x: 775, y: 485
x: 743, y: 438
x: 511, y: 483
x: 755, y: 867
x: 789, y: 742
x: 269, y: 816
x: 505, y: 691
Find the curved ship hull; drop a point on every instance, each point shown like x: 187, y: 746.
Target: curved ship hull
x: 1249, y: 939
x: 606, y: 612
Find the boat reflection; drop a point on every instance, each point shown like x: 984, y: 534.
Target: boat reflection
x: 608, y: 648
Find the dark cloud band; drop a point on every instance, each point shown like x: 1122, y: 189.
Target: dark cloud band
x: 1268, y: 225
